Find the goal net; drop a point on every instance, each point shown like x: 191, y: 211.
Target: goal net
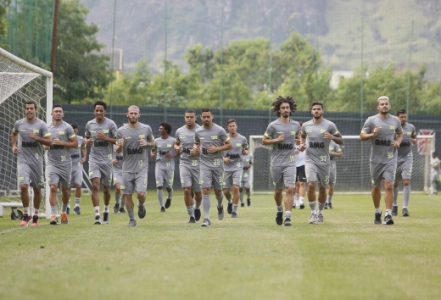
x: 20, y: 81
x: 352, y: 169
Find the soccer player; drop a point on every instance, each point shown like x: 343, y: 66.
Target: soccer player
x: 132, y: 139
x: 334, y: 152
x: 385, y: 132
x: 117, y: 163
x: 100, y: 135
x: 282, y: 134
x: 233, y: 167
x: 27, y: 138
x: 189, y: 165
x: 318, y: 132
x: 300, y: 189
x: 211, y: 139
x: 59, y: 165
x: 164, y: 153
x: 247, y: 162
x: 434, y: 173
x: 404, y: 163
x: 78, y: 156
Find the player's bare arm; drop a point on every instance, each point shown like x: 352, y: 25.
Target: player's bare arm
x: 336, y: 154
x: 45, y: 141
x: 119, y: 145
x: 245, y: 151
x: 84, y: 152
x: 101, y: 136
x: 267, y: 141
x: 396, y: 144
x: 72, y: 143
x: 14, y: 139
x: 368, y: 136
x: 177, y: 146
x: 225, y: 147
x: 337, y: 138
x: 196, y: 151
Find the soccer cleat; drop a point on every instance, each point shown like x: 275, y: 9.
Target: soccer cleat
x: 301, y: 206
x: 320, y: 219
x: 122, y: 210
x: 162, y: 209
x: 279, y: 218
x: 141, y: 211
x: 326, y: 205
x: 197, y: 214
x: 34, y: 221
x: 330, y: 205
x: 132, y: 223
x: 106, y: 217
x: 206, y: 223
x: 68, y: 210
x: 287, y: 222
x: 313, y: 218
x: 234, y: 214
x: 168, y: 202
x: 116, y: 207
x: 242, y: 204
x: 64, y: 218
x: 220, y: 212
x: 230, y: 208
x: 294, y: 205
x: 248, y: 202
x: 77, y: 210
x: 388, y: 220
x: 405, y: 212
x: 395, y: 210
x: 26, y: 220
x: 54, y: 220
x: 192, y: 220
x: 97, y: 220
x: 377, y: 220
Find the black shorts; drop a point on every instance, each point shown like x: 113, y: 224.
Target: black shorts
x: 301, y: 175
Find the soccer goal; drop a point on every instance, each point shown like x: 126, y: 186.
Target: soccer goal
x: 352, y: 169
x: 20, y: 81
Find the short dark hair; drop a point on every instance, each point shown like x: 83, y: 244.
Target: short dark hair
x: 100, y: 102
x: 276, y: 104
x: 190, y: 111
x: 57, y: 105
x: 166, y: 126
x: 316, y: 103
x: 231, y: 121
x: 206, y: 110
x: 401, y: 111
x: 31, y: 102
x: 74, y: 125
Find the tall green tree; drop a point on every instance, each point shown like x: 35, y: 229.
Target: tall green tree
x: 3, y: 24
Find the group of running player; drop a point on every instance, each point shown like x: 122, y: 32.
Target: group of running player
x: 209, y: 157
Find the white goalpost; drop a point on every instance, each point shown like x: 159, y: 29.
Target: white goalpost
x: 20, y: 81
x: 352, y: 169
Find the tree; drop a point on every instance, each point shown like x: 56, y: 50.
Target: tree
x: 3, y: 25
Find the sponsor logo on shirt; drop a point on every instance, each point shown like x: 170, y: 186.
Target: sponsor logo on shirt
x: 134, y: 151
x: 316, y: 145
x: 382, y: 142
x: 285, y: 146
x: 214, y: 137
x: 61, y: 132
x: 392, y: 127
x: 142, y: 136
x: 29, y: 144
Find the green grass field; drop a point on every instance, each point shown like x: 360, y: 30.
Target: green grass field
x: 250, y: 257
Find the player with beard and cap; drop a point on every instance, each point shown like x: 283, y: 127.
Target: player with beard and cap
x: 404, y: 163
x: 385, y: 132
x: 282, y: 135
x: 318, y: 132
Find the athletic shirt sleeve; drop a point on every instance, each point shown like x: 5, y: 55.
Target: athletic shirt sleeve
x: 368, y: 126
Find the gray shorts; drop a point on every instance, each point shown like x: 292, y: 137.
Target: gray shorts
x: 404, y: 170
x: 30, y: 176
x: 284, y: 176
x: 317, y: 173
x: 246, y: 184
x: 59, y: 175
x: 212, y: 177
x: 382, y: 171
x: 103, y: 171
x: 117, y: 176
x: 77, y: 175
x: 190, y: 177
x: 164, y: 177
x: 134, y: 182
x: 232, y: 177
x: 333, y: 175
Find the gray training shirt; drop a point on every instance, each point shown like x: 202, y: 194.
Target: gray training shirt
x: 75, y: 153
x: 317, y: 147
x: 405, y: 149
x: 185, y: 137
x: 102, y: 151
x: 381, y: 149
x: 215, y: 136
x: 29, y: 150
x: 235, y: 153
x: 162, y: 147
x: 58, y: 155
x: 283, y: 152
x: 135, y: 158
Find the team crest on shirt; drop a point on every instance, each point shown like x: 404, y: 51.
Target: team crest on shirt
x: 141, y: 136
x: 214, y: 137
x: 293, y: 132
x: 61, y: 132
x: 322, y: 131
x: 36, y: 130
x: 392, y: 127
x: 105, y: 130
x: 169, y: 145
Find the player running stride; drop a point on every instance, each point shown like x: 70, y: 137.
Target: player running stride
x: 100, y: 135
x: 189, y: 165
x: 247, y: 163
x: 318, y: 132
x: 233, y: 167
x: 27, y: 138
x: 334, y: 153
x: 385, y: 132
x: 282, y: 134
x: 211, y: 140
x: 404, y: 163
x: 78, y: 156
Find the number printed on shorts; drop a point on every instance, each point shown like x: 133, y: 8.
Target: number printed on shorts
x: 291, y: 158
x: 167, y: 164
x: 140, y: 162
x: 390, y: 154
x: 216, y: 162
x: 323, y: 158
x: 194, y: 163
